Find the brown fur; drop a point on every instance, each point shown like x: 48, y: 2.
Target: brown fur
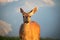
x: 30, y: 31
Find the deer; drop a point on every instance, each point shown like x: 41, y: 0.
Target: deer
x: 29, y: 30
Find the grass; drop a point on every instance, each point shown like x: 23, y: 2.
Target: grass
x: 9, y: 38
x: 17, y: 38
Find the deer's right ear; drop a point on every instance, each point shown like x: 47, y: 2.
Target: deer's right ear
x: 33, y: 11
x: 21, y: 10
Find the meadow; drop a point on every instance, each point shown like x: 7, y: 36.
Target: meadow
x: 17, y: 38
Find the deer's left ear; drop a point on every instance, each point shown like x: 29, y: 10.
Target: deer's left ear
x: 33, y: 11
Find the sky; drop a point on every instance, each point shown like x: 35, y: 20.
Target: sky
x: 48, y: 15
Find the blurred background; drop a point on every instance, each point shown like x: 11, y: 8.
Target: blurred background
x: 48, y: 16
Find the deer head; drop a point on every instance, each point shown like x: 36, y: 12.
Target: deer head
x: 27, y: 16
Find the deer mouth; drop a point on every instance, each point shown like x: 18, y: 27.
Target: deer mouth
x: 26, y: 21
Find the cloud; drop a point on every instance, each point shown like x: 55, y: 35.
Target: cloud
x: 5, y: 1
x: 28, y: 5
x: 5, y: 28
x: 49, y: 2
x: 31, y: 4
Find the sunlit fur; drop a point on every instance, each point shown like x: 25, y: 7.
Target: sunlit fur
x: 29, y: 30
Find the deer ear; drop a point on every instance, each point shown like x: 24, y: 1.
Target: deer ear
x: 22, y: 11
x: 33, y: 11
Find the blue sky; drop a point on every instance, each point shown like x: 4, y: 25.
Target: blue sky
x: 48, y: 15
